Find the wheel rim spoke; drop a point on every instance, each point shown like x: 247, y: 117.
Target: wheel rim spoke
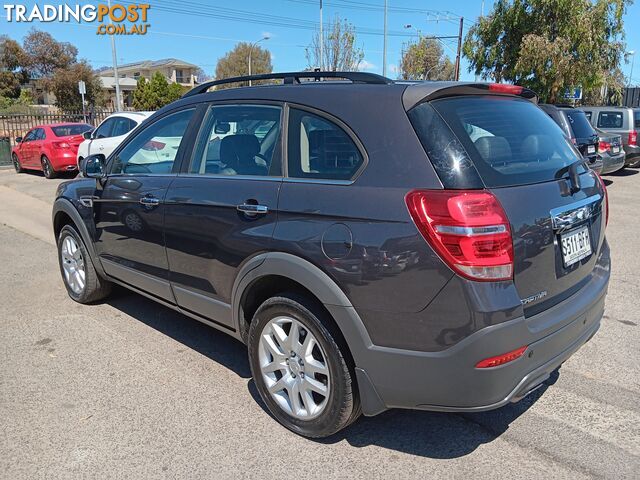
x: 295, y: 373
x: 73, y: 264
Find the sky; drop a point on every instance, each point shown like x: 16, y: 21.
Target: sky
x: 202, y: 31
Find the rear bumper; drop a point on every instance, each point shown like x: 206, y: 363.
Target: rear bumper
x: 633, y: 154
x: 64, y: 160
x: 613, y: 163
x: 449, y: 381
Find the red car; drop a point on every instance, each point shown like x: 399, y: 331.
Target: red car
x: 50, y: 148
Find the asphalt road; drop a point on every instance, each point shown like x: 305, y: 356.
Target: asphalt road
x: 130, y: 389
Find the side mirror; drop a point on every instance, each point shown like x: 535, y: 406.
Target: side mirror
x: 93, y: 166
x: 18, y: 139
x: 88, y: 135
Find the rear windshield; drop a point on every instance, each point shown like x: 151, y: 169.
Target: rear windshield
x: 580, y: 124
x: 509, y: 141
x: 69, y: 130
x: 610, y: 120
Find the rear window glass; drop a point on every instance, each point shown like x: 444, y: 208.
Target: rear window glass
x: 610, y: 120
x: 509, y: 141
x: 579, y: 124
x: 69, y: 130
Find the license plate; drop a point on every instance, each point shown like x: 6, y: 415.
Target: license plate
x: 591, y: 149
x: 576, y: 245
x: 615, y: 149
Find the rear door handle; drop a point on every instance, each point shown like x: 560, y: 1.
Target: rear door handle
x: 149, y: 201
x: 251, y: 209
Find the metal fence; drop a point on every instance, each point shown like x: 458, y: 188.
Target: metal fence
x: 14, y: 125
x: 631, y: 97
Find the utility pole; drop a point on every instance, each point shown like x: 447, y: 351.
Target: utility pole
x: 384, y: 43
x: 115, y: 69
x: 251, y: 47
x: 457, y: 68
x: 321, y: 40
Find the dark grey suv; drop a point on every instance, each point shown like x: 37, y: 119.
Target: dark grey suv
x: 436, y: 246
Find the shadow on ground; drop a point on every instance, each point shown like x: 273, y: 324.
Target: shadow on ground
x: 427, y: 434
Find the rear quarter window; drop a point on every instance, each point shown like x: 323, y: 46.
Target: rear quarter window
x: 509, y: 141
x: 636, y: 118
x: 610, y: 120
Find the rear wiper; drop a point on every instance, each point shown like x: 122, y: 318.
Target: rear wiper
x: 572, y: 169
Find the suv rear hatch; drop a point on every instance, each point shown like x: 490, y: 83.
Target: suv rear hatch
x: 504, y: 144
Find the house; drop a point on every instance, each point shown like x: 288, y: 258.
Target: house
x: 174, y: 70
x: 127, y: 86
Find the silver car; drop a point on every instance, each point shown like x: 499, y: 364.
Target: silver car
x: 623, y: 121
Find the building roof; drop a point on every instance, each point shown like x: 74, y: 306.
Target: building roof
x: 148, y: 64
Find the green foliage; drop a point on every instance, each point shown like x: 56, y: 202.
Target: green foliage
x: 155, y: 93
x: 236, y: 62
x: 13, y: 61
x: 45, y: 54
x: 64, y: 85
x: 339, y: 49
x: 549, y: 45
x: 425, y: 60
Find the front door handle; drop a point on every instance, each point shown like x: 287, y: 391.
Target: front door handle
x: 149, y: 201
x: 251, y: 209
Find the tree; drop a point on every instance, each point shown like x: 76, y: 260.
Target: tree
x: 201, y: 75
x: 425, y: 60
x: 12, y: 67
x: 548, y: 45
x: 155, y: 93
x: 64, y: 85
x: 236, y: 62
x: 46, y: 54
x: 339, y: 49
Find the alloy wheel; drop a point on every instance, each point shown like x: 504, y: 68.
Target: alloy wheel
x: 73, y: 264
x: 16, y: 163
x: 294, y: 368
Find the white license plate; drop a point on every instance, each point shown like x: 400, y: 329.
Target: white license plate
x: 591, y: 149
x: 615, y: 149
x: 576, y: 245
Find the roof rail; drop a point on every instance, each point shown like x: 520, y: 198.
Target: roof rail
x: 294, y: 77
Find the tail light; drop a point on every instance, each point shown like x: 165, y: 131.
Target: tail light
x: 468, y: 229
x: 505, y: 88
x: 153, y: 146
x: 606, y: 200
x: 61, y: 144
x: 633, y: 137
x: 501, y: 359
x: 603, y: 147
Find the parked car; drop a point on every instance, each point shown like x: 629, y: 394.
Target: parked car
x: 610, y: 151
x: 110, y: 133
x: 49, y: 148
x: 622, y: 121
x: 448, y: 255
x: 577, y: 128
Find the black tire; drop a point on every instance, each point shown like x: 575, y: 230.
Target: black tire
x: 343, y: 403
x: 16, y: 163
x: 47, y: 168
x: 95, y: 287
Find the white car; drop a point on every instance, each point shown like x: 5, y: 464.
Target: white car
x: 113, y: 130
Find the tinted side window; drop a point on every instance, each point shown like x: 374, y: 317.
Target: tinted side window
x: 636, y: 116
x: 610, y: 120
x: 30, y: 136
x: 239, y: 140
x: 40, y: 134
x: 318, y: 148
x: 154, y: 149
x: 121, y: 126
x: 588, y: 115
x: 104, y: 130
x: 579, y: 124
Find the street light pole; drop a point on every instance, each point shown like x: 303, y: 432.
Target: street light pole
x: 321, y: 41
x: 384, y: 43
x: 251, y: 47
x: 632, y: 53
x: 115, y: 69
